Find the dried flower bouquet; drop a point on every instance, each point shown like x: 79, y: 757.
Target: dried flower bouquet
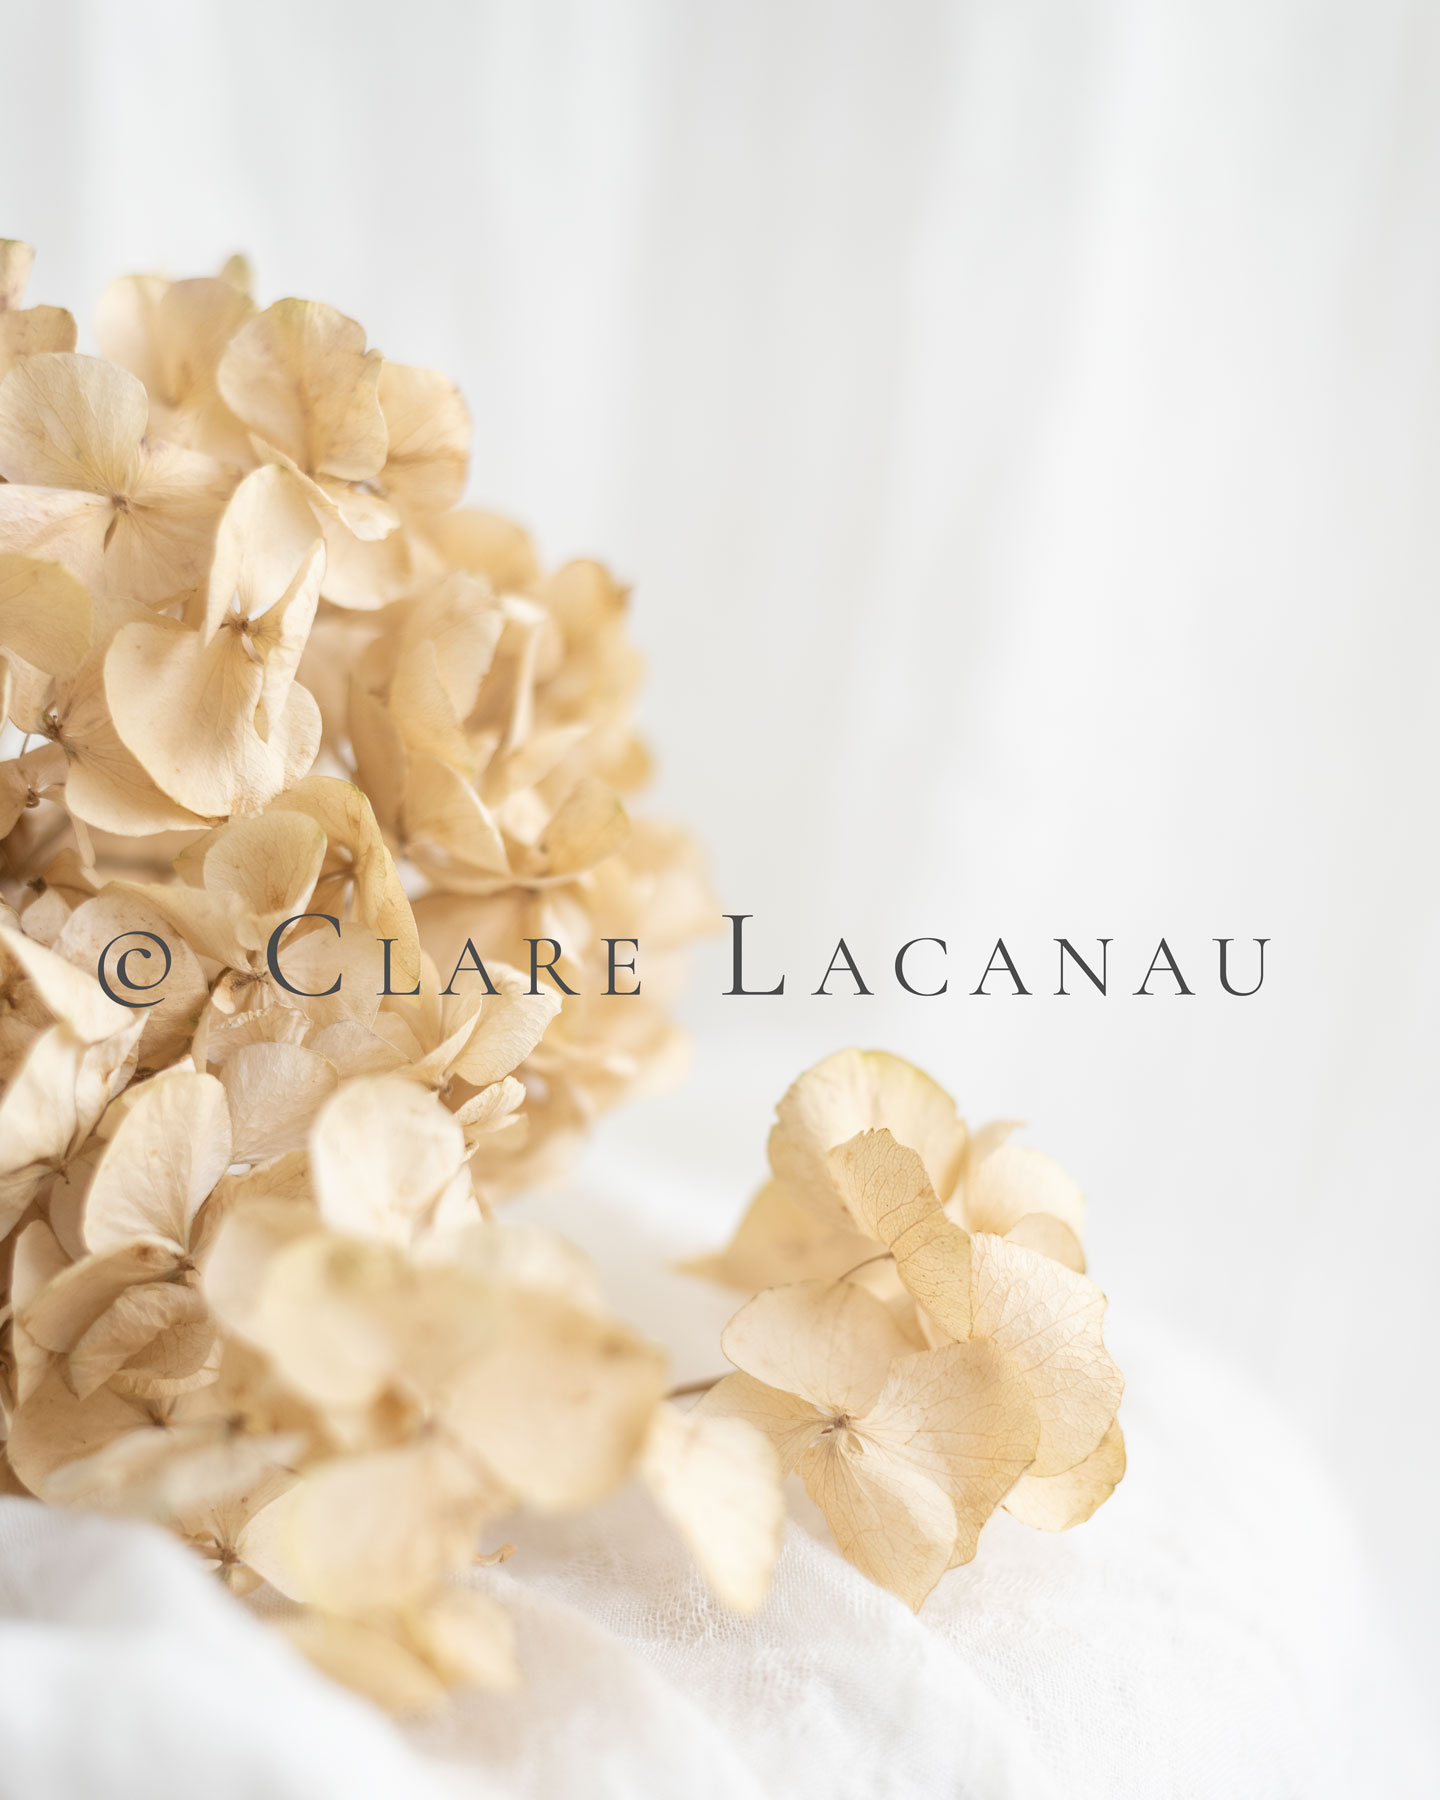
x: 258, y: 665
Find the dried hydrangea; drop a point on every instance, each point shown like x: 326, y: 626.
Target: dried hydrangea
x: 257, y: 662
x: 262, y: 676
x: 926, y: 1346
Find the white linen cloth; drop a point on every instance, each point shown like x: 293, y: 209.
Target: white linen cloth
x: 1208, y: 1634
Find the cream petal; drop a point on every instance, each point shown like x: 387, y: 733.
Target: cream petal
x: 886, y: 1188
x: 37, y: 1259
x: 778, y: 1241
x: 560, y: 1410
x: 422, y: 708
x: 462, y: 620
x: 267, y: 539
x: 1048, y: 1319
x: 888, y: 1519
x: 60, y: 1314
x: 381, y: 1151
x: 489, y: 545
x: 171, y: 334
x: 164, y: 1322
x: 44, y: 614
x: 106, y: 785
x: 791, y: 1424
x: 861, y: 1090
x: 75, y: 999
x: 354, y: 838
x: 172, y: 1471
x: 466, y: 1638
x: 1058, y: 1502
x: 158, y: 1168
x: 17, y: 261
x: 364, y: 1532
x: 274, y: 1091
x: 379, y: 753
x: 508, y: 1027
x: 1014, y: 1181
x: 589, y: 825
x: 31, y: 332
x: 299, y: 375
x: 442, y: 812
x: 830, y: 1342
x: 365, y: 1658
x: 271, y: 863
x: 53, y: 1429
x: 137, y: 516
x: 38, y: 1113
x: 71, y: 422
x: 717, y: 1479
x: 965, y: 1417
x: 1045, y: 1233
x: 428, y: 428
x: 187, y: 710
x: 530, y: 1256
x: 345, y: 1318
x: 161, y: 539
x: 62, y: 525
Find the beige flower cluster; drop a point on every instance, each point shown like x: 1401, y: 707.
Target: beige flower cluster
x: 926, y: 1346
x: 257, y: 662
x: 258, y: 666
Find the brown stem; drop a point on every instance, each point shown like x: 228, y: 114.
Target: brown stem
x: 884, y: 1256
x: 693, y: 1387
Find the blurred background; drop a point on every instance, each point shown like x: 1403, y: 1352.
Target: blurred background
x: 1021, y: 423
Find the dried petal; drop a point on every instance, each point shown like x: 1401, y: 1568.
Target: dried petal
x: 790, y: 1423
x: 1015, y: 1181
x: 53, y: 1429
x: 466, y: 1638
x: 16, y: 262
x: 965, y: 1416
x: 561, y: 1408
x: 345, y: 1319
x: 129, y: 515
x: 1057, y: 1502
x: 1048, y: 1319
x: 73, y: 998
x: 299, y: 376
x: 274, y: 1090
x: 382, y: 1151
x: 778, y: 1240
x: 717, y: 1478
x: 830, y: 1342
x: 428, y: 431
x: 360, y: 1533
x: 366, y: 1659
x: 886, y: 1189
x: 159, y: 1167
x: 44, y: 614
x: 889, y: 1519
x: 854, y: 1091
x: 163, y: 1320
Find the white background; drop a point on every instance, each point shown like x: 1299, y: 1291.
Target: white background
x: 1022, y: 424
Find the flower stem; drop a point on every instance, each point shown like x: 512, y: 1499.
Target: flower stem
x: 884, y: 1256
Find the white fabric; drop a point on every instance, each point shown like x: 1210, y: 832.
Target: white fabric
x: 125, y: 1670
x: 1209, y: 1634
